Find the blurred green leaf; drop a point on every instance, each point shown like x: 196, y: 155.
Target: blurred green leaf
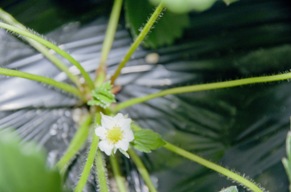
x: 228, y: 2
x: 146, y: 140
x: 169, y: 27
x: 31, y: 12
x: 23, y: 167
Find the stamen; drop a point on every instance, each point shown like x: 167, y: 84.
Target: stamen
x: 114, y: 135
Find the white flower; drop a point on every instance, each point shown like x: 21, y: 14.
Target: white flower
x: 114, y: 133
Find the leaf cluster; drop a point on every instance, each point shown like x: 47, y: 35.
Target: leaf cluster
x: 102, y: 96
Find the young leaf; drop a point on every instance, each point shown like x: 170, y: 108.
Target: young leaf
x: 146, y: 140
x: 102, y: 96
x: 23, y: 167
x: 230, y: 189
x: 169, y: 27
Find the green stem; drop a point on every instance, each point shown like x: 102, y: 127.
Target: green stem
x: 63, y: 86
x: 213, y: 166
x: 76, y: 144
x: 88, y: 164
x: 117, y: 174
x: 137, y: 41
x: 109, y: 37
x: 53, y: 47
x: 142, y: 170
x: 6, y: 17
x: 101, y: 172
x: 203, y: 87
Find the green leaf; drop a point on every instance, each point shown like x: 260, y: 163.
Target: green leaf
x: 228, y: 2
x: 102, y: 96
x: 184, y: 6
x: 170, y: 26
x: 23, y: 167
x: 230, y: 189
x: 146, y: 140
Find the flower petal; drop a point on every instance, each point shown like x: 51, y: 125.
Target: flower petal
x: 122, y: 121
x: 107, y: 121
x: 106, y: 147
x: 123, y: 144
x: 101, y: 132
x: 128, y: 135
x: 119, y: 117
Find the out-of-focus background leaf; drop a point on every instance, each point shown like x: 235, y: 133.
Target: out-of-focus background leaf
x: 167, y: 29
x: 242, y: 128
x: 54, y: 13
x: 23, y: 167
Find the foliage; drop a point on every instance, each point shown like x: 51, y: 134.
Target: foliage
x: 102, y: 96
x: 137, y: 12
x: 23, y: 167
x: 146, y: 140
x: 216, y: 124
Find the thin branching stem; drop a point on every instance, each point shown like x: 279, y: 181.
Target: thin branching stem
x: 53, y: 47
x: 234, y: 176
x: 6, y: 17
x: 142, y: 170
x: 117, y: 174
x: 109, y: 37
x: 203, y: 87
x: 76, y: 144
x: 138, y: 41
x: 45, y: 80
x: 88, y: 165
x: 101, y: 172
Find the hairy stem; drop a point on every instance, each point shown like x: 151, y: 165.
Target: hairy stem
x: 76, y: 144
x: 101, y: 172
x: 203, y: 87
x: 109, y: 37
x: 137, y: 41
x: 214, y: 167
x: 48, y: 81
x: 53, y: 47
x: 117, y: 174
x: 142, y: 170
x: 88, y: 165
x: 6, y: 17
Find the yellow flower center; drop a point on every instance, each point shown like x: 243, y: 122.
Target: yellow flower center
x: 114, y: 135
